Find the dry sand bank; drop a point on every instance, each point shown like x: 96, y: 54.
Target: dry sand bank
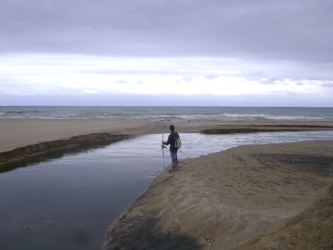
x: 230, y: 127
x: 22, y: 138
x: 16, y: 133
x: 223, y: 199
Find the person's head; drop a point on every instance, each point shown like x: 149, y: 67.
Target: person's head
x: 172, y: 128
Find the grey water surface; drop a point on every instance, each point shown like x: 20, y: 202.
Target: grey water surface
x: 68, y: 199
x: 175, y: 113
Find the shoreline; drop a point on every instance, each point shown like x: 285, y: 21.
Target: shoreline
x: 22, y: 138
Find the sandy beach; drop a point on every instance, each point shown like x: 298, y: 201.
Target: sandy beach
x: 220, y: 200
x: 216, y: 201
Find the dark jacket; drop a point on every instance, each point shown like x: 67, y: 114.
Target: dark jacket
x: 171, y: 141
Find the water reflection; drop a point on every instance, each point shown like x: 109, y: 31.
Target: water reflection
x: 56, y: 154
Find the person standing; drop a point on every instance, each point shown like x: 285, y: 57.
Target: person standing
x: 173, y: 149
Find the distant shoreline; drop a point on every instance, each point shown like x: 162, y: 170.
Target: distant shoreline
x: 174, y: 113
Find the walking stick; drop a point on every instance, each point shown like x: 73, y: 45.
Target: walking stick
x: 163, y: 146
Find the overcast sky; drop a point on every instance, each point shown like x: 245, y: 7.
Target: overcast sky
x: 166, y: 52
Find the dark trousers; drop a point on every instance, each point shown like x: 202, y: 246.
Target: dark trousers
x: 174, y: 160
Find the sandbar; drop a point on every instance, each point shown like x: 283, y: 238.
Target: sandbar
x: 17, y: 132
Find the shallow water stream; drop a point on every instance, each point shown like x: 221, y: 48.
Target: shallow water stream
x: 68, y: 199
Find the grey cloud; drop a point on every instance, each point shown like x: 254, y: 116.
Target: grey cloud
x: 255, y: 76
x: 187, y: 79
x: 281, y: 30
x: 13, y: 87
x: 264, y: 78
x: 211, y: 77
x: 327, y: 85
x: 272, y: 80
x: 121, y: 81
x: 278, y: 99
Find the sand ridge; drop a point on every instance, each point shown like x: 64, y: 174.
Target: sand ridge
x: 223, y: 199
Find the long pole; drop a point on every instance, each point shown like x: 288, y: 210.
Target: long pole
x: 162, y: 130
x: 162, y: 143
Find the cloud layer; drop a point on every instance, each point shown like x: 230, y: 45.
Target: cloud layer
x: 224, y: 48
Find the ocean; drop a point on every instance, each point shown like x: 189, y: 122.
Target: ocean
x: 169, y: 113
